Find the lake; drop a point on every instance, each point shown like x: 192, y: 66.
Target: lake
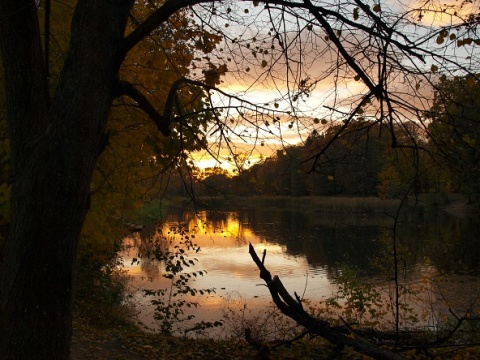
x: 438, y: 258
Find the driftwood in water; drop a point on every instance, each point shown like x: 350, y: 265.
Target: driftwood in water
x: 292, y: 307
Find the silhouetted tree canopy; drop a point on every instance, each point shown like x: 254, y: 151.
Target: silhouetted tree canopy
x: 322, y: 62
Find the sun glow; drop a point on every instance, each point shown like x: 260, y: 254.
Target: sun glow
x: 225, y: 161
x: 443, y: 13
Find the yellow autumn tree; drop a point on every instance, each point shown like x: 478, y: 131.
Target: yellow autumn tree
x: 138, y: 161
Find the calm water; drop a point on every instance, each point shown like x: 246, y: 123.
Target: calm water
x: 305, y: 250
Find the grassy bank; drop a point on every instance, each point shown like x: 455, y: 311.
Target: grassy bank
x: 127, y: 343
x: 423, y: 204
x: 123, y: 341
x: 155, y: 209
x: 322, y: 204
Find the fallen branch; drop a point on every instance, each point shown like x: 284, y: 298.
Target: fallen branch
x: 338, y: 335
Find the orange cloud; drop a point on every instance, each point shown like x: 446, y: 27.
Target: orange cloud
x: 443, y: 13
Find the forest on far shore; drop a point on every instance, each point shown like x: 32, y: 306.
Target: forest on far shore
x: 363, y: 161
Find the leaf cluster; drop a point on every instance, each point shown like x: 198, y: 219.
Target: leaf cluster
x: 172, y: 302
x: 454, y: 134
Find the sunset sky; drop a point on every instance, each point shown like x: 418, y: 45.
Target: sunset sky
x: 272, y: 86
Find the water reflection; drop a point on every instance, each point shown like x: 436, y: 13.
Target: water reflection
x: 304, y: 249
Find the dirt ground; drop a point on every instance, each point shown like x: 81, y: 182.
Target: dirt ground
x: 124, y: 344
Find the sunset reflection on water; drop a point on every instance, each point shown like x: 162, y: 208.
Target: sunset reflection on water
x: 309, y: 251
x: 229, y: 268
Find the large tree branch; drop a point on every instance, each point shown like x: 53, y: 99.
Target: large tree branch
x: 339, y: 335
x: 316, y: 12
x: 126, y: 88
x: 169, y: 8
x: 164, y: 121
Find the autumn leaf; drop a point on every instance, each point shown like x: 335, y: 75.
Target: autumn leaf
x: 470, y: 81
x: 468, y: 140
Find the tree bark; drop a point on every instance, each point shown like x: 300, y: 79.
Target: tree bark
x: 55, y: 145
x: 54, y: 151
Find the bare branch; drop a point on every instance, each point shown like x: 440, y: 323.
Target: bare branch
x: 375, y: 89
x: 339, y: 335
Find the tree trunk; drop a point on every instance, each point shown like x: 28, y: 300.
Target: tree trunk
x: 54, y: 151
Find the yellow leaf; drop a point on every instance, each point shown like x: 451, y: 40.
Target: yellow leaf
x: 468, y: 140
x: 470, y: 81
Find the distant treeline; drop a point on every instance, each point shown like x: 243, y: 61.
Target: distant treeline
x: 367, y: 157
x: 362, y: 162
